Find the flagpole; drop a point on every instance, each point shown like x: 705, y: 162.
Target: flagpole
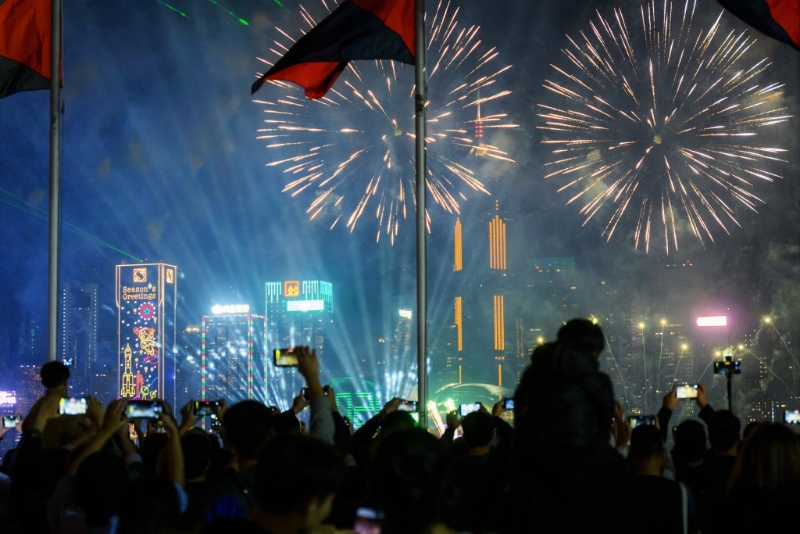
x: 55, y: 216
x: 420, y: 98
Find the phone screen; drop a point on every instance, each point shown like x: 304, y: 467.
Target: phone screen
x: 408, y: 406
x: 285, y: 358
x: 466, y: 409
x: 9, y: 421
x: 636, y: 420
x: 72, y: 406
x: 686, y: 391
x: 368, y: 521
x: 791, y: 417
x: 203, y: 408
x: 143, y: 409
x: 508, y: 404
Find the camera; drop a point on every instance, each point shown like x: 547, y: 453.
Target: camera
x: 203, y: 408
x: 508, y: 404
x: 466, y: 409
x: 72, y: 406
x: 636, y: 420
x: 144, y: 409
x: 686, y: 391
x: 10, y: 421
x: 728, y: 366
x: 408, y: 406
x: 791, y: 417
x: 285, y: 358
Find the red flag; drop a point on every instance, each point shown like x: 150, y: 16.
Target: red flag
x: 25, y: 37
x: 779, y: 19
x: 357, y: 29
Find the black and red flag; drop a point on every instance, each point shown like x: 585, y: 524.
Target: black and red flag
x: 25, y: 38
x: 357, y: 29
x: 779, y: 19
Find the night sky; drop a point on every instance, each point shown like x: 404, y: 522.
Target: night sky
x: 161, y: 162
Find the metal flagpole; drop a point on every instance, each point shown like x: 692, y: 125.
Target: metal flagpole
x: 420, y: 98
x: 55, y: 216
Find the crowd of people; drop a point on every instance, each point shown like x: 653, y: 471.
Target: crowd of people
x: 571, y: 462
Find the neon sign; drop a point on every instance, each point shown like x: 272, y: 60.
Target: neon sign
x: 716, y: 320
x: 305, y: 305
x: 224, y: 309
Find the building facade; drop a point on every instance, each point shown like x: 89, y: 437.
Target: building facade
x: 146, y: 297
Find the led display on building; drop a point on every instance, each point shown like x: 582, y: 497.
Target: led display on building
x: 146, y: 305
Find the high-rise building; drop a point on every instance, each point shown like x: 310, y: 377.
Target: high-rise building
x: 233, y: 362
x: 479, y: 304
x: 298, y: 313
x: 147, y: 330
x: 79, y: 331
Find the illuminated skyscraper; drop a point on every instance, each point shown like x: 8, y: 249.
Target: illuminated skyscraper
x: 79, y: 329
x: 480, y: 286
x: 233, y: 363
x: 297, y: 313
x: 147, y: 332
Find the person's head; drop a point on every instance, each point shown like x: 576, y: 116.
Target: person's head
x: 478, y: 429
x: 584, y: 334
x: 151, y: 447
x: 646, y: 443
x: 298, y: 475
x: 397, y: 420
x: 196, y: 454
x: 246, y: 427
x: 54, y: 374
x: 769, y: 459
x: 724, y: 430
x: 690, y: 441
x: 99, y: 485
x: 409, y: 479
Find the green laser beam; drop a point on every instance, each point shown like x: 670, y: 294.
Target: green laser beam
x: 14, y: 201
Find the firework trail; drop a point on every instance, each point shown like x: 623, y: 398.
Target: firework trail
x: 352, y: 152
x: 657, y: 123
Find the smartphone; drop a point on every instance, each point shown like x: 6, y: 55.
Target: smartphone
x: 466, y: 409
x: 72, y: 406
x: 636, y: 420
x: 791, y: 417
x: 285, y: 358
x: 368, y: 521
x: 304, y: 393
x: 144, y: 409
x: 10, y: 421
x: 204, y: 408
x: 728, y: 367
x: 508, y: 404
x: 408, y: 406
x: 686, y: 391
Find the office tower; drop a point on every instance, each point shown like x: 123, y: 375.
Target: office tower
x: 233, y: 363
x: 298, y: 312
x: 33, y: 341
x: 479, y: 303
x: 188, y: 378
x: 147, y: 331
x: 79, y: 331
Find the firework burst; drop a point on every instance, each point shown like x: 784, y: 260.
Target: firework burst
x: 658, y: 123
x: 352, y: 152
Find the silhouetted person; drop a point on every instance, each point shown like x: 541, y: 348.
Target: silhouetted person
x: 566, y: 475
x: 659, y: 505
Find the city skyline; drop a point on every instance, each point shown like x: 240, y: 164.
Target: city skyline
x: 157, y: 168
